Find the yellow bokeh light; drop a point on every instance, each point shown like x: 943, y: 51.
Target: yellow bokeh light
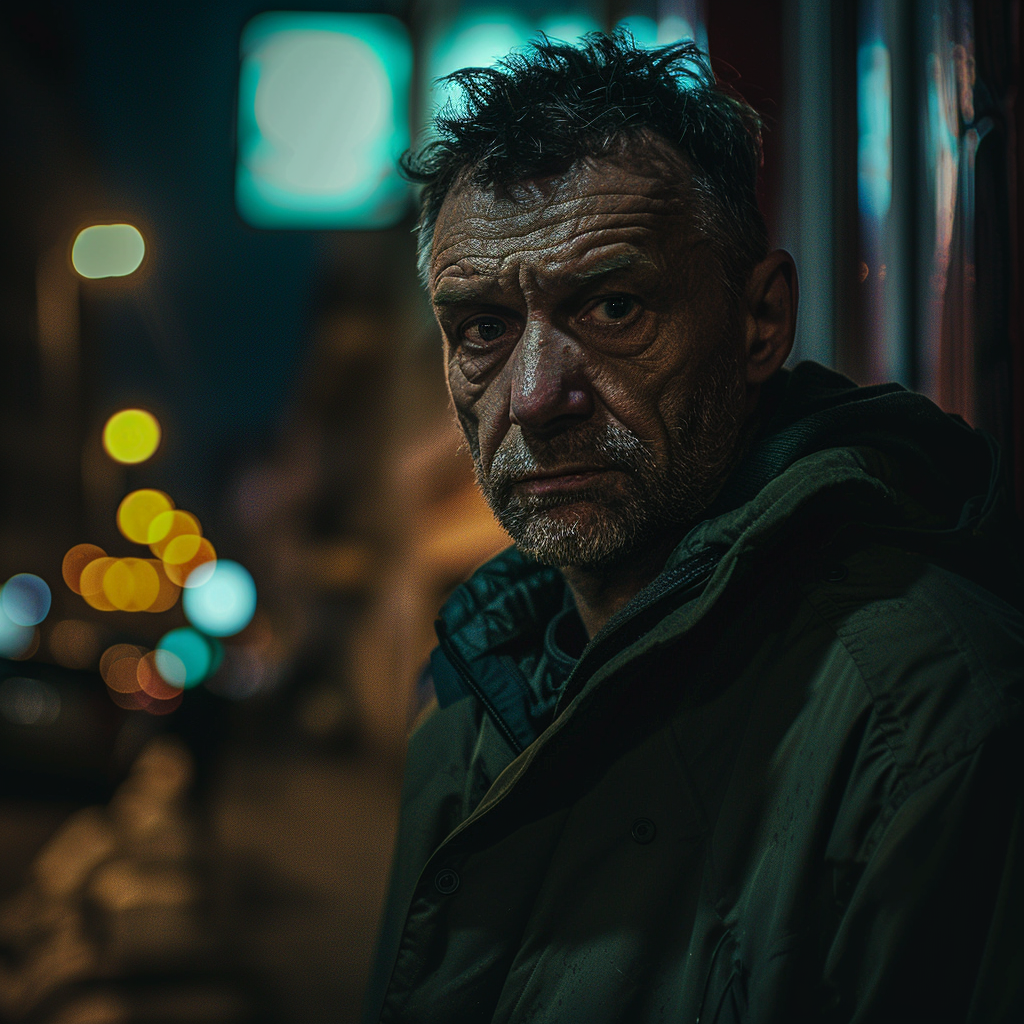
x: 131, y: 436
x: 168, y: 526
x: 131, y: 584
x: 137, y: 511
x: 108, y: 250
x: 92, y: 584
x: 181, y: 549
x: 169, y: 591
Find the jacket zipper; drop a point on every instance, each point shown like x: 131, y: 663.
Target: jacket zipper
x: 693, y: 573
x: 462, y: 668
x: 614, y: 638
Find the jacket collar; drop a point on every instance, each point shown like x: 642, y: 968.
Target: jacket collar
x: 829, y: 453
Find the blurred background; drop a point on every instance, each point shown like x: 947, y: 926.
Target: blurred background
x: 233, y: 495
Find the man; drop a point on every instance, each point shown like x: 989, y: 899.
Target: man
x: 732, y: 732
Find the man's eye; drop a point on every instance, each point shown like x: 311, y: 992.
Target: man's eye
x: 484, y: 329
x: 618, y: 307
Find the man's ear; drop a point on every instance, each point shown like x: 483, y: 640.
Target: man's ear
x: 771, y: 315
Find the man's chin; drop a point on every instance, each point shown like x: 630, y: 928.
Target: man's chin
x: 570, y: 535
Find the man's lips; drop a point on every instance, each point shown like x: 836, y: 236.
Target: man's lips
x: 566, y: 478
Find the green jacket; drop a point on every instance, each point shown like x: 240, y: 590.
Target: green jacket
x: 784, y: 784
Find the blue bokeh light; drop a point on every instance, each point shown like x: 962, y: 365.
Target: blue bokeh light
x: 25, y: 599
x: 15, y: 640
x: 184, y: 657
x: 225, y: 603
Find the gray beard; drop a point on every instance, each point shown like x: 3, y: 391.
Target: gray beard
x: 657, y: 505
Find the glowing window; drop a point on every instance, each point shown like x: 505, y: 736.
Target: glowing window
x: 323, y: 116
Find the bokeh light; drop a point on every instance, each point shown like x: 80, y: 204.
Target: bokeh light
x: 131, y: 436
x: 116, y: 653
x: 184, y: 657
x: 137, y: 511
x: 76, y: 560
x: 122, y: 675
x: 91, y: 583
x: 874, y: 127
x: 568, y: 27
x: 223, y: 604
x: 150, y: 680
x: 478, y: 39
x: 322, y: 116
x: 25, y: 599
x: 29, y: 701
x: 195, y: 570
x: 168, y: 592
x: 139, y: 700
x: 133, y: 682
x: 167, y: 526
x: 74, y: 643
x: 15, y: 640
x: 131, y: 584
x: 643, y: 29
x: 108, y: 250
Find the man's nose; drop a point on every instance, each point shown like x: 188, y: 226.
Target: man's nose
x: 550, y: 390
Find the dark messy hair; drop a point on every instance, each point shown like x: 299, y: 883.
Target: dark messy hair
x: 545, y: 107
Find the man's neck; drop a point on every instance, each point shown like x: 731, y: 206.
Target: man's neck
x: 600, y: 593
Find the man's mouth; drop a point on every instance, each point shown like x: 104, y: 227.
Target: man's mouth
x: 560, y: 480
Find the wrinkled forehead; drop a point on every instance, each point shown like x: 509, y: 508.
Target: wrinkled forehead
x: 553, y: 222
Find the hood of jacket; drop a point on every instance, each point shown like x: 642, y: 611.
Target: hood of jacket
x: 831, y: 462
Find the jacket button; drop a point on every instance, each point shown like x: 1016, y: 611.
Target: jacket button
x: 835, y: 573
x: 643, y: 830
x: 446, y: 881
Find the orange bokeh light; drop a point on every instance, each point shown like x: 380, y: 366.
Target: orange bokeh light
x: 168, y: 525
x: 76, y: 560
x: 152, y: 682
x: 91, y: 583
x: 122, y: 675
x: 197, y: 570
x: 169, y: 591
x: 116, y: 653
x: 74, y: 643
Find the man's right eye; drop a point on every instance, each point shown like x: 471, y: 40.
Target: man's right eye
x: 484, y: 329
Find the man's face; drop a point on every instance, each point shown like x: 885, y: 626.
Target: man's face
x: 593, y: 355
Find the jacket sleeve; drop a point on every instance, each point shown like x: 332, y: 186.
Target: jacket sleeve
x: 934, y: 926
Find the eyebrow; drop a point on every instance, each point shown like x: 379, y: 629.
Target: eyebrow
x: 610, y: 265
x: 456, y: 296
x: 459, y: 296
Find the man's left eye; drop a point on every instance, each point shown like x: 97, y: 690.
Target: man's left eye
x: 484, y: 329
x: 618, y: 307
